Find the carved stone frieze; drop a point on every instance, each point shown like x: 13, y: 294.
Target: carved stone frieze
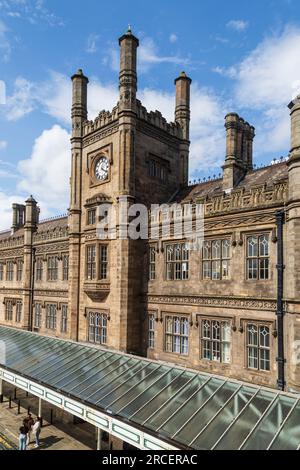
x: 11, y: 253
x: 51, y: 293
x: 100, y: 135
x: 228, y: 302
x: 53, y: 248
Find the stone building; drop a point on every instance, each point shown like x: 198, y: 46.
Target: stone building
x: 231, y: 308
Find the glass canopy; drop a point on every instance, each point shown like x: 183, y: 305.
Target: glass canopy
x: 187, y: 408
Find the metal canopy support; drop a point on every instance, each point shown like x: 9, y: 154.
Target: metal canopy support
x: 236, y: 418
x: 183, y: 404
x: 283, y: 424
x: 200, y: 408
x: 123, y: 383
x: 133, y: 386
x: 168, y: 400
x: 1, y: 390
x: 40, y: 408
x: 217, y: 414
x: 99, y: 438
x: 156, y: 395
x: 92, y: 365
x: 259, y: 421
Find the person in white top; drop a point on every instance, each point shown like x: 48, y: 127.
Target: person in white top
x: 36, y: 430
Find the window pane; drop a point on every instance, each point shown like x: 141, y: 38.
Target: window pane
x: 252, y: 246
x: 226, y: 331
x: 216, y: 249
x: 206, y: 250
x: 225, y: 249
x: 264, y: 268
x: 264, y: 359
x: 216, y: 269
x: 215, y: 330
x: 206, y: 270
x: 264, y: 245
x: 252, y: 358
x: 206, y: 350
x: 225, y: 269
x: 225, y: 353
x: 206, y: 329
x: 252, y: 335
x: 252, y: 269
x: 264, y: 336
x: 215, y: 351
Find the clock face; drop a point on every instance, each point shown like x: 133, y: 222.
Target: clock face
x: 102, y: 169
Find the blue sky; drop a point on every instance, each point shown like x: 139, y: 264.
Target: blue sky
x: 242, y: 57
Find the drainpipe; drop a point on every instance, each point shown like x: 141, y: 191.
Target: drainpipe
x: 280, y: 220
x: 31, y: 300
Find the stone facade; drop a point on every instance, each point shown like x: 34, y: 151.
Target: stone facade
x: 219, y: 310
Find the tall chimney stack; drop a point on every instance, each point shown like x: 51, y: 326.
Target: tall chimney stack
x: 128, y: 66
x: 182, y: 117
x: 239, y: 149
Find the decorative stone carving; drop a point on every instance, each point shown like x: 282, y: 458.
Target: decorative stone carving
x: 229, y: 302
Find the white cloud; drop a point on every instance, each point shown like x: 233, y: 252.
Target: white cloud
x: 46, y: 173
x: 149, y: 55
x: 92, y: 41
x: 269, y: 75
x: 173, y: 38
x: 265, y: 81
x: 21, y: 102
x: 237, y: 25
x: 33, y: 11
x: 5, y: 46
x: 3, y: 145
x: 229, y: 72
x: 54, y: 96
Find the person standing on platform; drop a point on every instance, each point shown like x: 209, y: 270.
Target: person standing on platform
x: 22, y: 438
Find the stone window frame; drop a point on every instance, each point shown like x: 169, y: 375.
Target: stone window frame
x: 2, y: 271
x: 51, y: 317
x: 166, y: 245
x: 38, y: 315
x: 153, y: 247
x: 91, y: 216
x: 257, y: 233
x: 104, y: 316
x: 9, y: 309
x: 180, y: 316
x: 221, y: 238
x: 258, y: 324
x: 65, y: 268
x: 151, y: 320
x: 10, y: 272
x: 20, y: 264
x: 221, y: 319
x: 19, y: 310
x: 64, y: 317
x: 39, y: 269
x: 53, y: 269
x: 99, y: 264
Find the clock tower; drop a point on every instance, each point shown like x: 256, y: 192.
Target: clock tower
x: 132, y: 155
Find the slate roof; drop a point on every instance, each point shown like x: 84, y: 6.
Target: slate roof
x: 267, y: 175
